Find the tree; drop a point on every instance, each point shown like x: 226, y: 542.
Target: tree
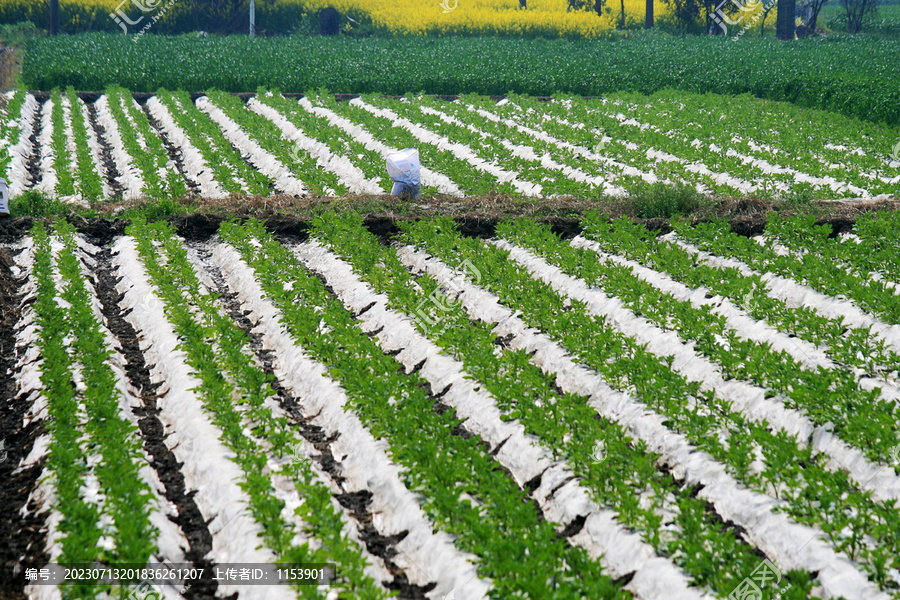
x: 648, y: 19
x: 687, y: 12
x: 767, y: 8
x: 220, y: 16
x: 589, y: 5
x: 857, y: 12
x: 54, y: 17
x: 329, y: 21
x: 784, y: 22
x: 622, y: 22
x: 808, y: 11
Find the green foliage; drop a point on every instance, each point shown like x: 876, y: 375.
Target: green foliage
x: 819, y: 272
x: 686, y: 14
x: 130, y: 500
x: 225, y: 162
x: 9, y: 126
x: 182, y: 16
x: 661, y: 200
x: 789, y: 472
x: 268, y: 135
x: 79, y: 527
x: 765, y: 68
x: 90, y: 185
x: 234, y: 390
x: 589, y: 5
x: 529, y: 559
x: 65, y: 185
x: 33, y: 203
x: 885, y: 23
x: 17, y: 33
x: 824, y: 394
x: 566, y: 423
x: 144, y: 146
x: 156, y: 210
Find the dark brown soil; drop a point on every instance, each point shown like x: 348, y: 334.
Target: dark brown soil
x: 175, y: 153
x: 24, y: 539
x: 197, y: 227
x: 99, y: 232
x: 358, y: 504
x: 33, y: 163
x: 12, y: 230
x: 113, y: 175
x: 163, y: 460
x: 291, y: 217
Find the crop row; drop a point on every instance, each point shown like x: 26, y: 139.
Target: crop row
x: 219, y: 145
x: 489, y: 66
x: 607, y: 403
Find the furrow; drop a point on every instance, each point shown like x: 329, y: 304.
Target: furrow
x: 48, y: 179
x: 188, y: 160
x: 170, y: 480
x: 314, y: 446
x: 348, y: 174
x: 192, y: 438
x: 459, y: 150
x: 797, y: 294
x: 577, y: 150
x: 808, y: 354
x: 789, y: 544
x: 424, y: 556
x: 129, y: 180
x: 257, y: 156
x: 71, y: 150
x: 101, y: 150
x: 23, y: 515
x: 20, y: 175
x: 463, y: 492
x: 560, y: 494
x: 429, y: 178
x: 749, y: 400
x: 524, y: 160
x: 170, y: 539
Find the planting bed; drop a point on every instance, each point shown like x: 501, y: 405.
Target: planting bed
x: 614, y: 415
x: 89, y: 147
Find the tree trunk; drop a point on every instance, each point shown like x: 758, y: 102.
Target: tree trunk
x: 765, y: 15
x: 784, y: 23
x: 814, y: 15
x: 648, y: 22
x: 54, y: 17
x: 622, y: 24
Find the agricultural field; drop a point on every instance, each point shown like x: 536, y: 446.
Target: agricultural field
x: 618, y: 414
x: 87, y: 148
x: 547, y: 18
x: 650, y: 62
x: 638, y: 338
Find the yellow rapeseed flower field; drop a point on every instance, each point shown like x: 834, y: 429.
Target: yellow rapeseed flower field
x: 549, y: 18
x: 546, y: 18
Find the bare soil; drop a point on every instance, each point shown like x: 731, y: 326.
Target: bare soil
x: 24, y: 538
x: 292, y: 218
